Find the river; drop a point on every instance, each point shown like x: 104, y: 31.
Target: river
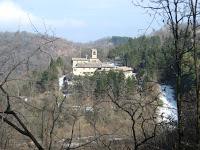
x: 168, y: 111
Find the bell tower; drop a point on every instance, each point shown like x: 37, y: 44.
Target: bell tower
x: 94, y: 54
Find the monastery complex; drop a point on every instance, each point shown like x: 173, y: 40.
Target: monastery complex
x: 87, y: 66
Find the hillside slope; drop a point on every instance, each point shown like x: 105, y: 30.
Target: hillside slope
x: 19, y: 45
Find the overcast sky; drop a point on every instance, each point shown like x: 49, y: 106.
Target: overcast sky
x: 76, y: 20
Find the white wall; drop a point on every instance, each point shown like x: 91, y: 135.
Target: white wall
x: 83, y: 71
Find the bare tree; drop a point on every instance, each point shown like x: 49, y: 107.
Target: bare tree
x: 57, y: 108
x: 138, y: 103
x: 16, y: 123
x: 176, y: 14
x: 194, y: 6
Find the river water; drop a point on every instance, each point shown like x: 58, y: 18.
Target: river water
x: 168, y: 111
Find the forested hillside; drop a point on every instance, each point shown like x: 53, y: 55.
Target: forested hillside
x: 44, y: 105
x: 97, y: 102
x: 147, y: 55
x: 153, y: 57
